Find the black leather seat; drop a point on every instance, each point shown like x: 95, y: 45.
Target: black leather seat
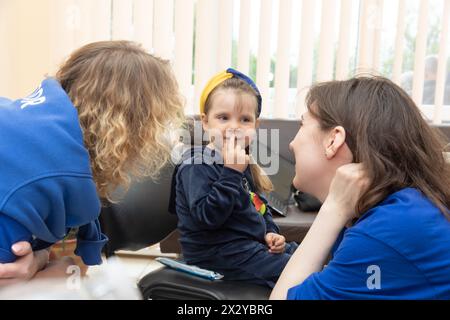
x: 141, y: 218
x: 169, y: 284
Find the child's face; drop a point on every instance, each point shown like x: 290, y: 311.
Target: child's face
x: 231, y: 114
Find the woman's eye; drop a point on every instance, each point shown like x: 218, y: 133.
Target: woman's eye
x: 222, y: 117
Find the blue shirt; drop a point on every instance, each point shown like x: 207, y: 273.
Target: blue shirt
x: 46, y: 184
x: 399, y: 249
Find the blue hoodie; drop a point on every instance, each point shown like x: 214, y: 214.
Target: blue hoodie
x: 46, y: 185
x: 399, y: 249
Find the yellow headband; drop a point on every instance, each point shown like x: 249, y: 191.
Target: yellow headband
x: 213, y: 83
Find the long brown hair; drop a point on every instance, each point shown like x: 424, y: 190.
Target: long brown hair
x: 386, y: 132
x: 261, y: 180
x: 127, y: 99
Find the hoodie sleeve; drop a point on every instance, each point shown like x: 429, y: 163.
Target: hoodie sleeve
x: 211, y: 195
x: 11, y: 232
x: 268, y: 218
x: 90, y: 242
x: 270, y: 225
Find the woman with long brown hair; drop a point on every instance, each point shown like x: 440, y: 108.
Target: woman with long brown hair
x: 364, y: 149
x: 100, y: 121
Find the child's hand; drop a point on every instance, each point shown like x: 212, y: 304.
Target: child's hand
x: 234, y: 155
x: 275, y: 242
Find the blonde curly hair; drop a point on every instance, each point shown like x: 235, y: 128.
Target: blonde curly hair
x: 127, y: 100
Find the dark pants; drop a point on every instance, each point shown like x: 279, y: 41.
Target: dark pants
x: 255, y: 265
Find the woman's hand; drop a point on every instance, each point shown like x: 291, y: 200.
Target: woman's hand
x: 337, y: 210
x: 275, y: 242
x: 25, y: 267
x: 346, y: 188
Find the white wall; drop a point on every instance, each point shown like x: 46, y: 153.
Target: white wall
x: 25, y: 51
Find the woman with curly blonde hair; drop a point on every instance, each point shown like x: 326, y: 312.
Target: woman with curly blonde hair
x: 99, y: 122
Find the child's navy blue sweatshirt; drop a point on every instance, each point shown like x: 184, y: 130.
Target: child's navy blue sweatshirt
x: 220, y: 229
x: 46, y: 184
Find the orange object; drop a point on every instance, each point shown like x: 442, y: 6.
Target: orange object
x: 260, y: 206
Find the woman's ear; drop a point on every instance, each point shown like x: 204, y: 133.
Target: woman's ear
x: 334, y: 141
x: 257, y: 123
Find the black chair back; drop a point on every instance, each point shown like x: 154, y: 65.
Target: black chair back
x: 141, y: 218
